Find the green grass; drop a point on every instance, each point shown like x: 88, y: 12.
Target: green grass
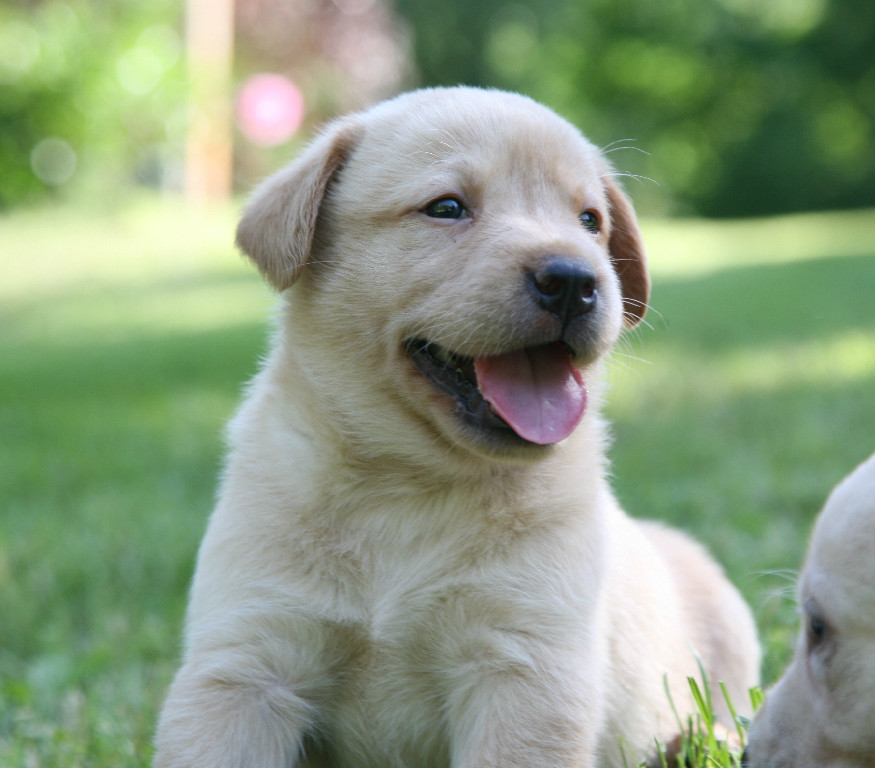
x: 702, y: 741
x: 125, y: 338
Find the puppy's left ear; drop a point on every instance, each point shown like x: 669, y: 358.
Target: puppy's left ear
x: 627, y: 254
x: 279, y: 221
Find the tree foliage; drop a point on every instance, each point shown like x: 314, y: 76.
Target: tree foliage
x: 733, y: 107
x: 91, y: 87
x: 741, y: 107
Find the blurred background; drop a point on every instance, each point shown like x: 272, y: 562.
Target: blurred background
x: 130, y: 132
x: 738, y: 108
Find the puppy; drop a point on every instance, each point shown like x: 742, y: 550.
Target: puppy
x: 821, y: 713
x: 416, y: 559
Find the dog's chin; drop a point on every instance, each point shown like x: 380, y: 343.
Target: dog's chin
x: 461, y: 404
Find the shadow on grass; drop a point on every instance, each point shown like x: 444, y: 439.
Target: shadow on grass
x: 696, y: 433
x: 767, y: 304
x: 111, y: 457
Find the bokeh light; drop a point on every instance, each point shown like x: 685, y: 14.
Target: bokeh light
x: 270, y: 109
x: 53, y: 161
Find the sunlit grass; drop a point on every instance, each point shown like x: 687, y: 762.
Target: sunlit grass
x: 698, y: 247
x: 845, y: 358
x: 140, y: 242
x: 126, y: 336
x: 146, y: 270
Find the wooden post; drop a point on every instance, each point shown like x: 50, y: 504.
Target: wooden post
x: 209, y: 41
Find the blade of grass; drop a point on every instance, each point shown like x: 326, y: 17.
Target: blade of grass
x: 735, y: 719
x: 756, y: 697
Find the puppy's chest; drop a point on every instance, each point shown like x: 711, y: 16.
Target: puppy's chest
x: 426, y: 613
x: 387, y: 712
x: 387, y: 705
x: 406, y: 578
x: 391, y: 693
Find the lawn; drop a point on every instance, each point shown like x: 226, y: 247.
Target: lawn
x: 125, y: 338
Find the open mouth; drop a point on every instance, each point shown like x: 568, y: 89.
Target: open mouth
x: 534, y: 394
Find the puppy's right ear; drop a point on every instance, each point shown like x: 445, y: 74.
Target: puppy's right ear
x: 276, y: 230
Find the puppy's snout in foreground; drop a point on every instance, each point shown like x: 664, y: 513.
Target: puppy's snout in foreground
x: 564, y: 287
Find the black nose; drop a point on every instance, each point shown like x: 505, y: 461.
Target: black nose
x: 564, y: 287
x: 745, y: 762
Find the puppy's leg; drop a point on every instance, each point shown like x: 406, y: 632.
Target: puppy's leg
x: 233, y: 712
x: 524, y: 719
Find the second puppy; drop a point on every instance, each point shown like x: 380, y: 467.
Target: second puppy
x: 821, y: 713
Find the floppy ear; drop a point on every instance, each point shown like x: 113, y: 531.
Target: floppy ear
x: 276, y: 230
x: 627, y: 254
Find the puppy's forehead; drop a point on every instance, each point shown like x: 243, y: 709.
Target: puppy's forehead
x: 843, y: 541
x: 847, y: 521
x: 468, y: 134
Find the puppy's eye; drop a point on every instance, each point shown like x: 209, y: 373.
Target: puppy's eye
x: 590, y: 221
x: 445, y: 208
x: 817, y: 630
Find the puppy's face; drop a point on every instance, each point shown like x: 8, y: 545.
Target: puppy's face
x: 822, y: 712
x: 465, y: 263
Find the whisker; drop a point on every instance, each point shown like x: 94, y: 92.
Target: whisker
x: 636, y: 176
x: 616, y: 146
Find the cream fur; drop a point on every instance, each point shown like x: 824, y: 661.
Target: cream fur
x: 380, y: 585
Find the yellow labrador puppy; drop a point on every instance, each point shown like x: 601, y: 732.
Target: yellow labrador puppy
x: 416, y: 559
x: 821, y: 714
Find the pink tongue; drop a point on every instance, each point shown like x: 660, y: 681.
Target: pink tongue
x: 536, y: 391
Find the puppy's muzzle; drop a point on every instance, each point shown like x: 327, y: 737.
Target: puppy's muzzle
x: 564, y: 288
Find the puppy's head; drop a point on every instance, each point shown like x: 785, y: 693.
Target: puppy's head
x: 822, y: 711
x: 459, y: 260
